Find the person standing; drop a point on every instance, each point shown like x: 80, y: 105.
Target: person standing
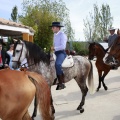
x: 59, y: 45
x: 4, y: 58
x: 10, y: 53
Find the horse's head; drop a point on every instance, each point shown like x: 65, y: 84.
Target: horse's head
x: 112, y: 57
x: 19, y: 54
x: 91, y: 48
x: 96, y: 50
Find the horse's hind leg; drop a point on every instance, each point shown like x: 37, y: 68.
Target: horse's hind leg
x: 99, y: 85
x: 84, y: 91
x: 102, y: 79
x: 52, y: 106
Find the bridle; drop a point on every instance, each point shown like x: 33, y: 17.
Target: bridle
x: 18, y: 61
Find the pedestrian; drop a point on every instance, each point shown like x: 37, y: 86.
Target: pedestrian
x: 10, y: 53
x: 59, y: 45
x: 4, y: 58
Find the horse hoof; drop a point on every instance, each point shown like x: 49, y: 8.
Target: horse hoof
x: 78, y: 108
x: 106, y: 88
x: 53, y: 111
x: 97, y: 89
x: 81, y: 110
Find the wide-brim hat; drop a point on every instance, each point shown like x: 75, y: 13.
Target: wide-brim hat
x: 56, y: 24
x: 112, y: 28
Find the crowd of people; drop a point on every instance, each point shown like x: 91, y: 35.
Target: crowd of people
x: 6, y: 56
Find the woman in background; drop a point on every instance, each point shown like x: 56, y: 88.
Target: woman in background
x: 10, y: 53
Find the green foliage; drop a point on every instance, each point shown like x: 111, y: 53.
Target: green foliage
x: 14, y: 14
x: 40, y: 14
x: 80, y: 48
x: 96, y: 26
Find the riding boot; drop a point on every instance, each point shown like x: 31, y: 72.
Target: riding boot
x: 63, y: 80
x: 60, y: 84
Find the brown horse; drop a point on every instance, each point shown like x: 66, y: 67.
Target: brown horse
x: 112, y: 57
x: 17, y: 90
x: 95, y: 49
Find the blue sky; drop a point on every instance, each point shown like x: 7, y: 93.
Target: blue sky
x: 79, y: 10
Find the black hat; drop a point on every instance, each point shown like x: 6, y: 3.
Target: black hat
x: 56, y: 24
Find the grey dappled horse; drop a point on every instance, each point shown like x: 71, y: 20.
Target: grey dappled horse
x: 39, y: 61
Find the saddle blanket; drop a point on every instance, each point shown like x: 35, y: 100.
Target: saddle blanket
x: 68, y: 61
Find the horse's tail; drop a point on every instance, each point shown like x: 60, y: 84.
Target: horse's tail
x: 43, y: 98
x: 90, y: 79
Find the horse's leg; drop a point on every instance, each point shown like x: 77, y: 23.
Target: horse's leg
x: 102, y: 79
x: 99, y: 85
x: 52, y: 106
x: 55, y: 81
x: 84, y: 91
x: 35, y: 107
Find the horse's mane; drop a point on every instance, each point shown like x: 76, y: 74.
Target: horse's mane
x: 36, y: 54
x: 100, y: 46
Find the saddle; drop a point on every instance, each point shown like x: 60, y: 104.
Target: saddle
x: 68, y: 61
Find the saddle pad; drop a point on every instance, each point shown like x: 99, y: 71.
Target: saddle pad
x: 68, y: 61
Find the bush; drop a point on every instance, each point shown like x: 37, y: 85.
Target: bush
x: 81, y: 48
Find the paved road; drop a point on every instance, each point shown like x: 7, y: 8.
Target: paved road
x: 103, y: 105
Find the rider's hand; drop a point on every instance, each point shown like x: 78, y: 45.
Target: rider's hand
x: 52, y: 48
x: 6, y: 65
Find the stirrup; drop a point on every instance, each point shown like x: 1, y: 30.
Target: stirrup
x: 60, y: 86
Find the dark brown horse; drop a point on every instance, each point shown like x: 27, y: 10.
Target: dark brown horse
x: 112, y: 57
x: 17, y: 90
x: 96, y: 49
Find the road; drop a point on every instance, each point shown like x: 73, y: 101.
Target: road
x: 103, y: 105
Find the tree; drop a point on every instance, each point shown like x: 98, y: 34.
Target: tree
x: 14, y: 14
x: 96, y: 26
x: 40, y: 14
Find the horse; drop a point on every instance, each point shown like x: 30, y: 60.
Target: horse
x: 96, y: 49
x: 18, y: 89
x: 112, y: 57
x: 40, y: 62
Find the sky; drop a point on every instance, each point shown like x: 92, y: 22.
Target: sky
x: 78, y: 11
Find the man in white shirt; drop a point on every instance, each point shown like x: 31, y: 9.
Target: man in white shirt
x: 59, y: 45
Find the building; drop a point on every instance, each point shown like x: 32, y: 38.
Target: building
x: 13, y: 29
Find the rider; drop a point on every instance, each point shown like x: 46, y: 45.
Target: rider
x: 59, y: 45
x: 110, y: 40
